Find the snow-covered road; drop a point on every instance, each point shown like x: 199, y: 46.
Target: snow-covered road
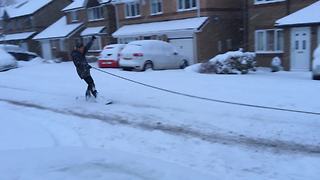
x: 216, y: 140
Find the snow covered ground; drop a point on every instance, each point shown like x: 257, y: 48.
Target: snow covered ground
x: 149, y: 134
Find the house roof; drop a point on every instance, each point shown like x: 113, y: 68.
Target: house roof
x: 92, y: 31
x: 307, y: 15
x: 16, y: 36
x: 25, y: 7
x: 121, y: 1
x: 190, y: 24
x: 59, y: 29
x: 77, y: 4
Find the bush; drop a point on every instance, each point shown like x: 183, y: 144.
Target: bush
x: 230, y: 63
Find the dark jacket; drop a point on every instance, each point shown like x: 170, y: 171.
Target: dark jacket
x: 80, y: 61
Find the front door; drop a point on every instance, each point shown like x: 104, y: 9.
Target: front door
x: 46, y: 49
x: 300, y: 49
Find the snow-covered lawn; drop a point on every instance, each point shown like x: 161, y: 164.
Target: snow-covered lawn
x: 149, y: 134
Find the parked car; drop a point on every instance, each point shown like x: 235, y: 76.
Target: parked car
x: 316, y: 64
x: 7, y: 61
x: 151, y: 54
x: 109, y: 57
x: 19, y: 53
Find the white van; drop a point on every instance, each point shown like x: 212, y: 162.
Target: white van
x: 151, y: 54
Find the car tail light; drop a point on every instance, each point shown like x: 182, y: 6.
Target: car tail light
x: 137, y: 54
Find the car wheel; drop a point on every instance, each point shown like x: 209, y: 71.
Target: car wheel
x: 184, y: 64
x: 316, y: 77
x: 148, y: 65
x: 127, y: 69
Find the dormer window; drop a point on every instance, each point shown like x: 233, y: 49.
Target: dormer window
x: 95, y: 13
x: 74, y: 16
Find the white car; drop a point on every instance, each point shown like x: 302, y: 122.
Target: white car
x: 7, y: 61
x: 151, y: 54
x: 109, y: 57
x: 18, y: 53
x: 316, y: 64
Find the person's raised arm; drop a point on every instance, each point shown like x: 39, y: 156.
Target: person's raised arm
x: 89, y: 44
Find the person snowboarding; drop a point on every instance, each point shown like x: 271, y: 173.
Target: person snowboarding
x: 83, y: 68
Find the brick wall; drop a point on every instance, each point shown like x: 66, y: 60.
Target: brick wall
x: 264, y: 16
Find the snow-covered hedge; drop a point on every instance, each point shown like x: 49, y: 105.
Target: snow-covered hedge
x: 227, y: 63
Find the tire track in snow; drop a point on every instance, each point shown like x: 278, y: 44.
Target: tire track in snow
x: 277, y: 146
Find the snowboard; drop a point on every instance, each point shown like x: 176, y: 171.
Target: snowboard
x: 99, y: 99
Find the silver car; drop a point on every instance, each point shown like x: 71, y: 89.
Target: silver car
x: 151, y: 54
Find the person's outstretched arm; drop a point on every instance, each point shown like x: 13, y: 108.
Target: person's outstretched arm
x: 89, y: 44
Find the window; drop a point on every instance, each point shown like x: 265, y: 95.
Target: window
x: 95, y: 13
x: 132, y: 9
x: 270, y: 40
x: 127, y: 40
x: 96, y: 46
x: 74, y: 16
x: 156, y: 7
x: 266, y: 1
x: 187, y: 4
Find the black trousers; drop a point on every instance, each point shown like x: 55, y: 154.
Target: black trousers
x: 91, y: 86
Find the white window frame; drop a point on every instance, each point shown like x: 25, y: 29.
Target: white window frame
x: 74, y: 16
x: 267, y: 1
x: 264, y: 41
x: 95, y: 47
x: 183, y: 8
x: 128, y: 9
x: 155, y: 3
x: 91, y: 13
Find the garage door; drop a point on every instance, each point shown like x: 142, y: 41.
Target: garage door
x: 185, y: 47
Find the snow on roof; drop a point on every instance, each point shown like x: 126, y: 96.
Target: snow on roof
x: 307, y: 15
x: 92, y: 31
x: 16, y: 36
x: 191, y: 24
x: 59, y: 29
x: 25, y: 7
x: 121, y: 1
x: 75, y: 5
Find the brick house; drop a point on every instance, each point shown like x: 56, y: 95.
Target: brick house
x: 283, y: 28
x: 24, y: 20
x: 199, y: 29
x: 81, y: 20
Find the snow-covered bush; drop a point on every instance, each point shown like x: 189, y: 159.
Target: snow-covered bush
x: 229, y: 63
x: 276, y: 64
